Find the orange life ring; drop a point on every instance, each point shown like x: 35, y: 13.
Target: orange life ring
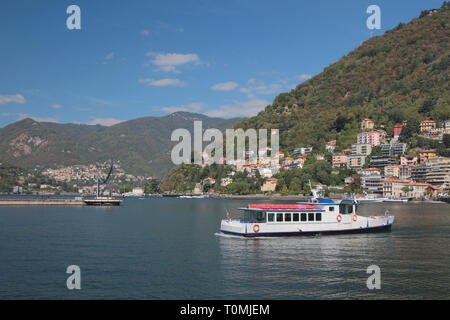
x: 355, y: 217
x: 256, y: 228
x: 339, y: 218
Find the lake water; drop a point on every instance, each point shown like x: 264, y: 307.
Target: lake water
x: 166, y: 248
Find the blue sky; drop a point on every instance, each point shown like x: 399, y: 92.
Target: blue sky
x: 149, y: 58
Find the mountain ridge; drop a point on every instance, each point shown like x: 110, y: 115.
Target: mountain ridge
x: 142, y: 145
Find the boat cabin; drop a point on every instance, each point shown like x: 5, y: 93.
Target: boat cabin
x: 265, y: 213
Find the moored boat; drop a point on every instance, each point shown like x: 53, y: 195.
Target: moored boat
x: 401, y: 200
x: 302, y: 219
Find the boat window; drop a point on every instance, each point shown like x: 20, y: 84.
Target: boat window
x: 330, y: 208
x: 318, y: 217
x: 270, y: 217
x: 345, y: 208
x: 310, y: 216
x: 287, y: 217
x: 295, y: 217
x: 254, y: 216
x: 279, y: 217
x: 303, y: 217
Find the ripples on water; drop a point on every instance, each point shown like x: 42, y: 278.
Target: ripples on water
x: 170, y: 249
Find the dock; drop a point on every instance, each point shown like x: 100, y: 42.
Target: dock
x: 101, y: 201
x: 52, y: 202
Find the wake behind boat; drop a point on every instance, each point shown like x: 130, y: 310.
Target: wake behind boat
x: 304, y: 219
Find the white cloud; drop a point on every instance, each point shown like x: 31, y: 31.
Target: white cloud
x: 163, y: 82
x: 304, y: 77
x: 104, y: 121
x: 56, y: 106
x: 259, y: 87
x: 145, y: 32
x: 18, y: 98
x: 169, y: 61
x: 192, y: 107
x: 239, y: 109
x: 225, y: 86
x: 109, y: 56
x: 38, y: 119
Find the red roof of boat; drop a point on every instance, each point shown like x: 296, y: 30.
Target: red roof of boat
x: 281, y: 206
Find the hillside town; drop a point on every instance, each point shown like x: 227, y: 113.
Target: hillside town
x: 383, y: 163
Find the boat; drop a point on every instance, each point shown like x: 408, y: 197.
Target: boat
x: 401, y: 200
x: 103, y: 201
x: 368, y: 198
x: 322, y: 217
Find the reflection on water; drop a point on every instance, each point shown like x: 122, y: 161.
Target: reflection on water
x: 171, y: 249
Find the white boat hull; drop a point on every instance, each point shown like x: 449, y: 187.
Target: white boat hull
x: 348, y: 224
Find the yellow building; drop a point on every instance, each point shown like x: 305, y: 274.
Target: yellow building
x: 392, y: 171
x: 427, y: 125
x: 367, y: 124
x: 270, y: 185
x: 426, y: 154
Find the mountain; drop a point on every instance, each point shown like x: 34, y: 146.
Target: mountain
x: 401, y: 75
x: 141, y: 145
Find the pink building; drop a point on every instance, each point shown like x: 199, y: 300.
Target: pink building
x: 397, y: 130
x: 339, y: 160
x: 371, y: 137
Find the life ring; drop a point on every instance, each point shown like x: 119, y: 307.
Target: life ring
x: 355, y: 217
x: 256, y: 228
x: 339, y: 218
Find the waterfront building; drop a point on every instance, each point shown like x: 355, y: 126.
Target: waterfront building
x: 417, y: 189
x: 367, y: 124
x: 395, y: 187
x: 372, y: 183
x: 361, y: 149
x: 225, y: 181
x: 270, y: 185
x: 138, y: 192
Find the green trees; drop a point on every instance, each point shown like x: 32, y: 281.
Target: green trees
x: 402, y: 75
x: 152, y: 187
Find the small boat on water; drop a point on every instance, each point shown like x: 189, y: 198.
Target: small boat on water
x: 304, y: 219
x: 401, y: 200
x: 368, y: 198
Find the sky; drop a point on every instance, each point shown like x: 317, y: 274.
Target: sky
x: 131, y: 59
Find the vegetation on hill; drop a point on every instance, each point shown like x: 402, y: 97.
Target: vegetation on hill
x: 12, y: 176
x: 401, y: 75
x: 142, y: 145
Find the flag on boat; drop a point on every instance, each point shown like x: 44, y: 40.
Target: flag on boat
x: 228, y: 214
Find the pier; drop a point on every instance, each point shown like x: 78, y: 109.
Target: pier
x: 41, y: 202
